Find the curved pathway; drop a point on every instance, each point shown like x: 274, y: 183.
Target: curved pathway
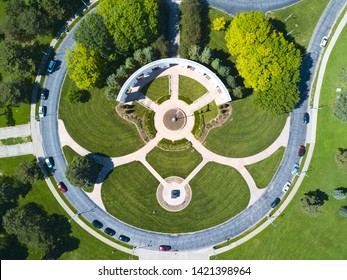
x: 191, y: 241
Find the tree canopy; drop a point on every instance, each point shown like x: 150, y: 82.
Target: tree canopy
x: 266, y: 61
x: 84, y: 66
x: 28, y: 172
x: 132, y: 23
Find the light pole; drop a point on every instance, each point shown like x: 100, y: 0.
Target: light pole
x: 270, y: 218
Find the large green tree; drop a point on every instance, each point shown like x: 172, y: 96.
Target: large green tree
x: 82, y: 172
x: 132, y: 23
x: 94, y: 36
x: 28, y: 172
x: 267, y: 62
x: 84, y: 66
x: 10, y: 93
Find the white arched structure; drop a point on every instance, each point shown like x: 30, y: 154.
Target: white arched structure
x: 129, y: 91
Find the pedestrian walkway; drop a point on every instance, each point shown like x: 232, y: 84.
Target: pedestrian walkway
x: 16, y: 150
x: 15, y: 131
x: 174, y: 86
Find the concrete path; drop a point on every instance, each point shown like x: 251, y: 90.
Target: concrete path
x: 15, y: 131
x: 174, y: 86
x: 16, y: 150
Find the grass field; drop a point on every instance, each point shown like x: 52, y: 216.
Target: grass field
x: 157, y: 88
x: 210, y: 111
x: 96, y: 126
x: 219, y: 193
x: 88, y: 247
x: 169, y: 163
x: 301, y: 18
x: 21, y: 114
x: 189, y: 88
x: 263, y: 171
x: 297, y: 235
x: 248, y: 131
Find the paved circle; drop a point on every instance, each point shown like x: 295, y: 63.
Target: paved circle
x: 174, y: 119
x: 175, y: 195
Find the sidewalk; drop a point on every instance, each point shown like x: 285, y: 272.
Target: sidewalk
x: 15, y: 131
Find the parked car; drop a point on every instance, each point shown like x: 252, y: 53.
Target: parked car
x: 109, y: 231
x: 62, y: 187
x: 97, y: 224
x: 306, y: 118
x: 164, y: 248
x: 324, y: 42
x: 51, y: 66
x: 124, y: 238
x: 295, y: 169
x: 49, y: 162
x: 286, y: 187
x: 275, y: 202
x: 42, y: 111
x: 301, y: 151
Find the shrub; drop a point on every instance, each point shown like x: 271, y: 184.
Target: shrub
x: 178, y: 145
x: 338, y: 194
x: 219, y: 24
x: 341, y: 159
x: 149, y: 124
x: 343, y: 211
x: 340, y: 108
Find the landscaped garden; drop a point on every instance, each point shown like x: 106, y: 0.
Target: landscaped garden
x: 297, y: 235
x: 219, y: 193
x: 157, y: 88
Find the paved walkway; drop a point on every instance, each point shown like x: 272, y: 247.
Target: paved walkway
x: 15, y: 131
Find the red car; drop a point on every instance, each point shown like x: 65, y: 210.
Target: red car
x: 62, y: 187
x: 302, y: 151
x: 164, y: 248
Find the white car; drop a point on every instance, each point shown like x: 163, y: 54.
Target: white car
x: 286, y: 187
x: 42, y: 111
x: 324, y: 42
x: 295, y: 170
x: 49, y: 163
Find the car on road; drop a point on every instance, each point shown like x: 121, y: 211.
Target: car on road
x: 42, y: 111
x: 109, y: 231
x: 306, y: 118
x: 97, y: 224
x: 44, y: 94
x: 49, y: 162
x: 295, y: 169
x: 124, y: 238
x: 324, y: 41
x: 62, y: 187
x: 286, y: 187
x: 51, y: 66
x: 275, y: 202
x: 164, y: 248
x: 301, y: 151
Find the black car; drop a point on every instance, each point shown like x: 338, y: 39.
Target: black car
x: 97, y: 224
x: 44, y: 94
x: 109, y: 231
x: 124, y: 238
x: 275, y: 202
x: 306, y: 118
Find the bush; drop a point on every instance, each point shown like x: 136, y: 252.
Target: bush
x: 199, y: 125
x: 338, y: 194
x: 341, y: 159
x: 149, y: 124
x: 219, y: 24
x: 343, y: 211
x: 340, y: 108
x: 179, y: 145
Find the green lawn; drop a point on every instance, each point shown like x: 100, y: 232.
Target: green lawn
x: 20, y: 114
x: 88, y: 247
x: 96, y: 126
x: 157, y: 88
x: 297, y: 235
x: 69, y: 153
x: 169, y: 163
x: 249, y: 131
x: 16, y: 140
x: 263, y: 171
x: 210, y: 111
x: 190, y: 88
x: 303, y: 19
x: 219, y: 193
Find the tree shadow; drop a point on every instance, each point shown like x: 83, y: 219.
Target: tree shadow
x: 13, y: 249
x: 107, y: 166
x: 305, y: 74
x: 344, y: 190
x: 205, y: 36
x: 318, y: 197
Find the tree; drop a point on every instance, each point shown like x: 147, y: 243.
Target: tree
x: 10, y: 93
x: 93, y: 35
x: 121, y: 72
x: 82, y: 172
x: 266, y: 61
x: 144, y: 56
x: 161, y: 46
x: 223, y: 71
x: 238, y: 92
x: 219, y: 23
x: 8, y: 194
x: 132, y: 23
x: 11, y: 249
x: 28, y: 172
x: 216, y: 64
x: 206, y: 56
x: 341, y: 159
x: 312, y: 201
x: 231, y: 81
x: 130, y: 63
x: 343, y: 211
x: 338, y: 194
x: 84, y: 67
x: 340, y: 107
x: 194, y: 52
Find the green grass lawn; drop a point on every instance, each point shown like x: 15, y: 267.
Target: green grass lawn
x: 190, y: 88
x: 21, y: 114
x: 297, y: 235
x: 249, y: 131
x: 157, y: 88
x: 303, y: 19
x: 88, y: 247
x: 96, y: 126
x: 16, y: 140
x: 210, y: 111
x: 263, y: 171
x: 169, y: 163
x: 219, y: 193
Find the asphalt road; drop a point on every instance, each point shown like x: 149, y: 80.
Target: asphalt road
x: 204, y: 238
